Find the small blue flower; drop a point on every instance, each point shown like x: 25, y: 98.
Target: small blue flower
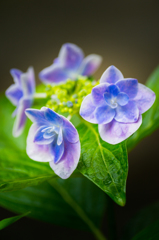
x: 21, y: 95
x: 116, y: 104
x: 52, y: 138
x: 69, y: 64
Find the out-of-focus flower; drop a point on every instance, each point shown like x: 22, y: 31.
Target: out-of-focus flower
x: 52, y: 138
x: 116, y: 104
x: 69, y: 64
x: 21, y: 95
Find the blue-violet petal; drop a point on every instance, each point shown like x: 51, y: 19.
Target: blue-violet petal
x: 98, y: 94
x: 70, y: 56
x: 57, y: 150
x: 128, y: 113
x: 104, y: 114
x: 122, y: 99
x: 40, y: 139
x: 128, y: 86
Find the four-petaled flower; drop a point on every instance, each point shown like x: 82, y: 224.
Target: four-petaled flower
x: 69, y: 64
x: 21, y: 95
x: 52, y: 138
x: 116, y: 104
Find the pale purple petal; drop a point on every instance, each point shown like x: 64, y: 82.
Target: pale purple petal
x: 56, y: 60
x: 53, y: 117
x: 15, y: 112
x: 21, y: 117
x: 128, y: 86
x: 144, y: 98
x: 104, y: 114
x: 116, y: 132
x: 128, y: 113
x: 54, y: 74
x: 16, y: 75
x: 57, y: 150
x: 70, y: 56
x: 122, y: 99
x: 98, y: 93
x: 90, y: 64
x: 60, y: 137
x: 87, y: 109
x: 39, y: 138
x: 111, y: 75
x: 28, y: 82
x: 48, y: 132
x: 40, y: 153
x: 69, y: 160
x: 69, y: 131
x: 14, y: 94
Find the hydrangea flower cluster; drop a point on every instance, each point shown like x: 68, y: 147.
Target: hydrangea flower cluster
x: 21, y: 95
x: 69, y: 64
x: 52, y: 138
x: 115, y: 104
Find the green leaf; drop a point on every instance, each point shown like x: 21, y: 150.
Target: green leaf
x: 8, y: 221
x: 50, y: 203
x: 150, y: 119
x: 17, y: 171
x: 144, y: 218
x: 149, y: 233
x: 104, y: 164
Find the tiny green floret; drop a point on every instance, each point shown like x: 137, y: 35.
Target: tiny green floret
x: 67, y: 97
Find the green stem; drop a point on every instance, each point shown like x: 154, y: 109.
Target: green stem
x: 40, y: 95
x: 97, y: 233
x: 69, y: 117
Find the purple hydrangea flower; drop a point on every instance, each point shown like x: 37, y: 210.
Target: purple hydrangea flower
x: 116, y: 104
x: 21, y: 95
x: 52, y: 138
x: 69, y: 64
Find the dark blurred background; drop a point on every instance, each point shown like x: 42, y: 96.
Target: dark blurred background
x: 126, y: 34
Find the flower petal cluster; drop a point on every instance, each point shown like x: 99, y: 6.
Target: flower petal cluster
x: 69, y: 64
x: 52, y: 138
x: 116, y: 104
x: 21, y: 95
